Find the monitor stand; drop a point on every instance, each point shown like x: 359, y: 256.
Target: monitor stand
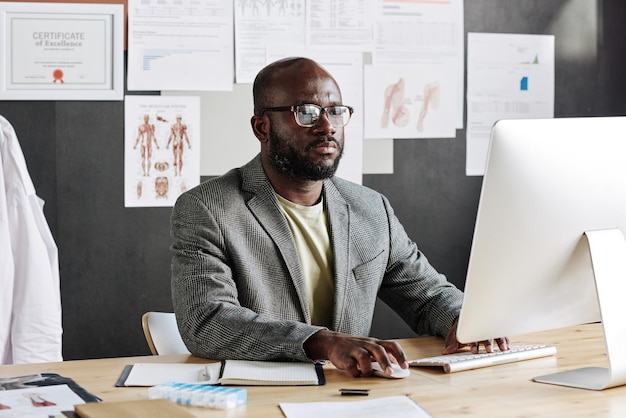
x: 608, y: 257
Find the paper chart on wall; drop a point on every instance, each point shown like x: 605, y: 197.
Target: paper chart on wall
x: 180, y: 45
x: 422, y: 32
x: 509, y: 76
x: 339, y: 25
x: 256, y: 28
x: 161, y: 149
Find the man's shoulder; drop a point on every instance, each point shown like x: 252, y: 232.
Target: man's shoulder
x: 350, y: 190
x: 236, y: 181
x: 360, y: 198
x: 226, y: 182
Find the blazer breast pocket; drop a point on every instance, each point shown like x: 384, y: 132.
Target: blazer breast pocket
x: 370, y: 273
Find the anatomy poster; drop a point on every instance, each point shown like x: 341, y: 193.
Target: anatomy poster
x: 161, y: 148
x: 409, y: 101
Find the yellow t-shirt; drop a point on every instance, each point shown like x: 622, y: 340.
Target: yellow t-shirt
x: 309, y: 227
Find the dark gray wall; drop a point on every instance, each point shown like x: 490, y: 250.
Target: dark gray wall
x: 114, y: 261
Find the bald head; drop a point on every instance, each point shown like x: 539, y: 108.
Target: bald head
x: 273, y: 80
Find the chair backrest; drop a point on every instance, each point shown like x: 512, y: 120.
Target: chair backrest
x: 162, y: 333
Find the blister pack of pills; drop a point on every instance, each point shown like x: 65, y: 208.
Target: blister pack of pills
x: 215, y: 397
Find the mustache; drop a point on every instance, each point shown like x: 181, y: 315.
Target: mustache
x: 321, y: 140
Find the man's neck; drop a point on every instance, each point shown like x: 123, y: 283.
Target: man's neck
x: 306, y: 193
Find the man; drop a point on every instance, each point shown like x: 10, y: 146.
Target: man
x: 279, y: 259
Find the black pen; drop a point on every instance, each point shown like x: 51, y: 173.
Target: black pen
x: 354, y: 392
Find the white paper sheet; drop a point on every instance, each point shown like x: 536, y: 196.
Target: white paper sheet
x: 278, y: 23
x: 340, y: 25
x: 509, y: 76
x: 268, y: 373
x: 152, y: 374
x: 392, y: 407
x: 378, y: 156
x: 180, y: 45
x: 421, y: 32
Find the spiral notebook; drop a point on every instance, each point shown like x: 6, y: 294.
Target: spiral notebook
x: 228, y: 372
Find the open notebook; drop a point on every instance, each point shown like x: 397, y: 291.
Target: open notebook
x: 228, y: 372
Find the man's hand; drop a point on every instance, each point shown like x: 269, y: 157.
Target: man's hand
x: 354, y: 354
x: 453, y: 345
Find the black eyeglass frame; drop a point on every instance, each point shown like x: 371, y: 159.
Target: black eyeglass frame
x: 294, y: 110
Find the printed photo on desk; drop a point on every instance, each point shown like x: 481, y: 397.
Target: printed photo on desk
x: 35, y: 401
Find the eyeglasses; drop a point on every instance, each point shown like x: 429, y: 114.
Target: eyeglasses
x: 308, y: 115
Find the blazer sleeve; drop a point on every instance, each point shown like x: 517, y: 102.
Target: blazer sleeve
x: 412, y: 287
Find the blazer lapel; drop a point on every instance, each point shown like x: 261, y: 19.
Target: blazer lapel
x: 339, y: 219
x: 265, y: 207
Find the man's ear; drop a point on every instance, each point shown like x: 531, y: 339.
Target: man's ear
x: 260, y: 127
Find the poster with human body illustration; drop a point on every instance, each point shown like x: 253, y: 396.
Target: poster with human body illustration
x: 162, y: 149
x: 409, y: 101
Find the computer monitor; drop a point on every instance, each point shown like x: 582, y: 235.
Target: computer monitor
x: 548, y: 249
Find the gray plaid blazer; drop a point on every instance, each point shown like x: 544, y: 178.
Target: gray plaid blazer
x: 237, y: 286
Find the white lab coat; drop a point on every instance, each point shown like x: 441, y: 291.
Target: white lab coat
x: 30, y: 298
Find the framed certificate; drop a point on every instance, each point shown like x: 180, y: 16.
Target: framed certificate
x: 61, y: 51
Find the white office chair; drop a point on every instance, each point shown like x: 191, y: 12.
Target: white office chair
x: 162, y: 333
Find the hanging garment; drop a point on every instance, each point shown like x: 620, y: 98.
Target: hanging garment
x: 30, y: 298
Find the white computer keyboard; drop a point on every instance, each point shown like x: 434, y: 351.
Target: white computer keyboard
x: 466, y: 360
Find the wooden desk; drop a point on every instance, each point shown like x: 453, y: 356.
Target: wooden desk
x: 505, y: 390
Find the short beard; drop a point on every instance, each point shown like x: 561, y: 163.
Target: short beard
x: 300, y: 168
